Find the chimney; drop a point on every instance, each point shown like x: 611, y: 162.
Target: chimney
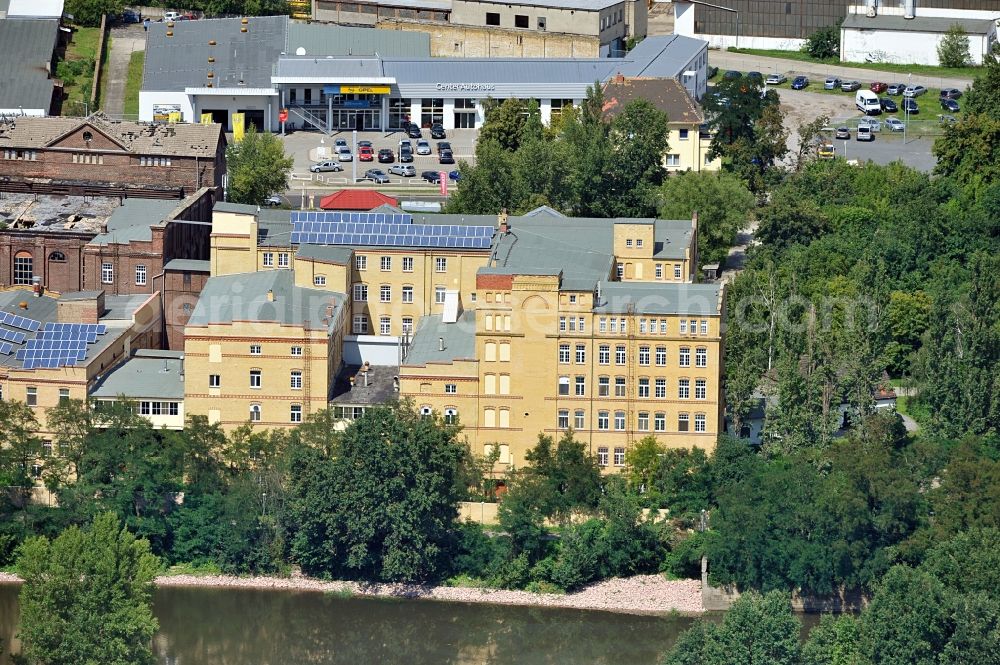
x: 503, y: 223
x: 270, y: 295
x: 440, y: 343
x: 694, y: 221
x: 619, y: 78
x: 36, y: 286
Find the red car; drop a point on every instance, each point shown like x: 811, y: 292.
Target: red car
x: 878, y: 87
x: 366, y: 154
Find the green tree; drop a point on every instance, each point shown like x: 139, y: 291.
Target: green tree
x: 907, y: 621
x: 87, y: 597
x: 969, y: 150
x: 257, y: 167
x: 89, y: 12
x: 823, y: 44
x: 569, y: 475
x: 953, y: 49
x: 834, y: 641
x: 983, y: 96
x: 722, y: 201
x: 638, y: 137
x: 20, y: 447
x: 810, y: 136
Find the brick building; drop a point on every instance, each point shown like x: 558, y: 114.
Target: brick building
x: 98, y: 156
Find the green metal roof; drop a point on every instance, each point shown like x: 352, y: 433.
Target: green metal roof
x: 652, y: 298
x: 188, y: 265
x: 153, y: 375
x: 325, y: 253
x: 459, y: 340
x: 132, y: 221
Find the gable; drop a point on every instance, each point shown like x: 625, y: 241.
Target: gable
x: 77, y: 139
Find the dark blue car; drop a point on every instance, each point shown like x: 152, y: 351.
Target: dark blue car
x: 800, y: 83
x: 950, y: 105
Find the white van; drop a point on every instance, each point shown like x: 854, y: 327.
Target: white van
x: 867, y: 102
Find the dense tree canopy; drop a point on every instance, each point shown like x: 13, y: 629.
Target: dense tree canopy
x: 257, y: 167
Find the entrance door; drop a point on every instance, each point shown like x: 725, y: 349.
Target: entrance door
x: 219, y: 116
x: 255, y: 118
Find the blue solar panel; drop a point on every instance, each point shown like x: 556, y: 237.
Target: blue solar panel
x: 21, y: 322
x: 6, y: 348
x: 11, y: 336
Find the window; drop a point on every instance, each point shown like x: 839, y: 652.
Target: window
x: 295, y: 415
x: 214, y: 380
x: 63, y: 395
x: 683, y: 327
x: 644, y: 387
x: 296, y: 380
x: 685, y: 357
x: 492, y: 18
x: 520, y: 21
x: 451, y: 388
x: 581, y: 386
x: 360, y: 292
x: 450, y: 416
x: 564, y: 385
x: 579, y: 324
x: 361, y: 262
x: 562, y: 324
x: 661, y: 356
x: 642, y: 424
x: 602, y: 420
x: 619, y: 421
x: 620, y: 270
x: 296, y: 351
x: 57, y: 257
x: 700, y: 389
x: 602, y: 325
x: 602, y: 456
x: 683, y: 388
x: 255, y: 378
x: 704, y: 327
x: 440, y: 264
x: 360, y: 325
x: 505, y: 384
x: 701, y: 357
x: 407, y: 264
x: 619, y: 355
x: 581, y: 354
x: 643, y: 355
x: 677, y: 271
x: 268, y: 259
x: 682, y: 422
x: 614, y: 324
x: 663, y: 326
x: 658, y: 271
x: 439, y: 295
x: 628, y: 242
x: 564, y: 353
x: 673, y: 160
x: 384, y: 325
x: 385, y: 293
x: 621, y: 326
x: 660, y: 422
x: 255, y: 413
x: 579, y: 420
x: 385, y: 263
x: 407, y: 325
x: 407, y: 294
x: 699, y: 422
x: 572, y: 299
x: 107, y: 273
x: 563, y: 420
x: 490, y: 351
x: 140, y: 275
x: 619, y: 457
x: 683, y: 135
x: 319, y: 280
x: 604, y: 354
x: 541, y: 23
x: 603, y: 386
x: 660, y: 391
x: 255, y: 349
x: 425, y: 411
x: 283, y: 260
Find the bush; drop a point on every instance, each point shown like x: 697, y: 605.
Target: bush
x: 953, y: 49
x: 824, y: 43
x: 684, y: 559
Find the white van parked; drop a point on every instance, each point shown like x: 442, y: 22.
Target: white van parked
x: 867, y: 102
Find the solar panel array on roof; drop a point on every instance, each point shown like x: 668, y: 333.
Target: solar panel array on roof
x: 384, y: 230
x: 21, y: 322
x: 11, y: 336
x: 60, y: 345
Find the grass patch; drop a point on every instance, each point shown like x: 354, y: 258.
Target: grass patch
x: 343, y: 594
x: 464, y: 581
x: 205, y: 569
x: 923, y: 70
x: 133, y: 84
x: 76, y: 70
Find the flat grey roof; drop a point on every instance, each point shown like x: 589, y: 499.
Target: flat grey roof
x: 121, y: 308
x: 74, y: 296
x: 378, y: 389
x: 499, y: 70
x: 27, y: 46
x: 188, y: 265
x: 653, y: 298
x: 133, y: 219
x: 337, y: 254
x: 973, y: 26
x: 459, y: 340
x: 329, y: 67
x: 239, y: 208
x: 661, y: 56
x: 320, y: 39
x: 244, y: 297
x: 144, y: 376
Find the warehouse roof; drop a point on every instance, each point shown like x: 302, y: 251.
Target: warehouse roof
x: 244, y: 297
x: 147, y: 374
x: 458, y: 340
x: 972, y: 26
x: 323, y: 39
x: 27, y: 47
x: 661, y: 56
x: 656, y: 298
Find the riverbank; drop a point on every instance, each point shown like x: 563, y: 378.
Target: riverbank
x: 642, y: 594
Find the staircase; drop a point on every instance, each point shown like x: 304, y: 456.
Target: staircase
x: 310, y: 119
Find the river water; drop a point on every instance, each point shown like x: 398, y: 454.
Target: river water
x: 265, y: 627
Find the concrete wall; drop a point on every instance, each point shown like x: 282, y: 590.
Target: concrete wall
x: 461, y: 41
x: 904, y: 47
x: 607, y: 24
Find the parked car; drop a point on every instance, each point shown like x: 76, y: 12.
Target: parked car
x: 131, y: 16
x: 405, y: 155
x: 755, y: 76
x: 437, y: 131
x: 423, y: 147
x: 878, y: 87
x: 895, y: 124
x: 843, y: 133
x: 323, y: 167
x: 825, y: 151
x: 171, y: 16
x: 832, y: 83
x: 949, y: 104
x: 431, y: 176
x: 385, y: 156
x: 405, y: 170
x: 914, y: 90
x: 776, y: 79
x: 872, y: 123
x: 850, y: 86
x: 413, y: 131
x: 947, y: 119
x: 406, y: 144
x: 800, y: 83
x: 338, y: 144
x: 364, y: 144
x: 366, y: 154
x: 731, y: 74
x: 275, y: 200
x: 895, y: 89
x: 951, y: 93
x: 344, y: 154
x: 446, y: 157
x: 454, y: 176
x: 443, y: 145
x: 910, y: 105
x: 378, y: 176
x: 888, y: 106
x: 865, y: 133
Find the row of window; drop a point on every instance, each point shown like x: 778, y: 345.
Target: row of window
x: 613, y: 19
x: 159, y: 408
x: 644, y: 419
x: 24, y: 269
x: 520, y: 21
x: 657, y: 268
x: 385, y: 263
x: 602, y: 456
x: 154, y: 161
x: 31, y: 395
x: 256, y: 379
x: 87, y: 158
x: 359, y: 325
x: 646, y: 326
x: 22, y: 155
x: 256, y: 350
x: 268, y: 260
x: 360, y: 293
x: 659, y: 387
x: 294, y: 413
x: 579, y: 355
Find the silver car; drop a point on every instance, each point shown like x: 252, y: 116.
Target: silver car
x: 776, y: 79
x: 405, y: 170
x: 423, y: 147
x: 344, y: 154
x: 914, y: 91
x: 328, y: 165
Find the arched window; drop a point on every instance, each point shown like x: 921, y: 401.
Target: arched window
x: 255, y: 413
x: 451, y: 415
x: 426, y: 411
x: 23, y: 268
x: 58, y: 257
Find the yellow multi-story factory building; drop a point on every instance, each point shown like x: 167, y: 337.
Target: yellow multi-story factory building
x: 513, y: 326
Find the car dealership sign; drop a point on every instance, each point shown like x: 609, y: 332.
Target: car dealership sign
x: 467, y: 87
